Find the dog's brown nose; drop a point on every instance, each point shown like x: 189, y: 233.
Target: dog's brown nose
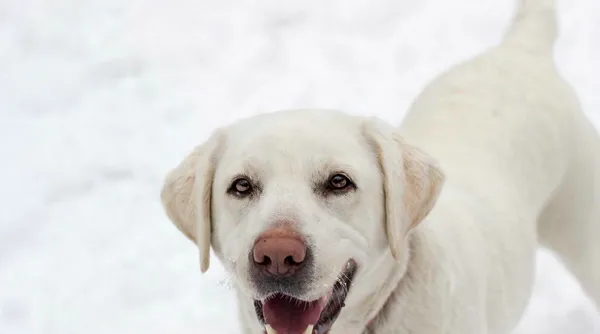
x: 279, y: 253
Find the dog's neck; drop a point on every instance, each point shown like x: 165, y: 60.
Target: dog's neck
x: 368, y: 312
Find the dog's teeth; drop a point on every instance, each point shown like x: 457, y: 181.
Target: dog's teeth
x: 309, y: 329
x: 270, y: 329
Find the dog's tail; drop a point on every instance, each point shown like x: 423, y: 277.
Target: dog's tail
x: 534, y: 28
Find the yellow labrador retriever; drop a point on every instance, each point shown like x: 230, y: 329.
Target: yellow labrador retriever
x: 331, y: 223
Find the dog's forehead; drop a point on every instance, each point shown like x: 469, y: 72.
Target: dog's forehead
x: 297, y: 139
x: 297, y: 131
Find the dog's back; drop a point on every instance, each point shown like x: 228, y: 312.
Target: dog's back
x: 509, y: 130
x: 505, y: 114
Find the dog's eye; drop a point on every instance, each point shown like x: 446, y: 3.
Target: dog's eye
x: 340, y: 182
x: 240, y: 187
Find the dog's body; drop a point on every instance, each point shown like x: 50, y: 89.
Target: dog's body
x: 518, y: 162
x: 522, y: 165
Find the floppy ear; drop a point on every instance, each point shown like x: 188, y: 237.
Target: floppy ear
x: 412, y: 181
x: 186, y: 195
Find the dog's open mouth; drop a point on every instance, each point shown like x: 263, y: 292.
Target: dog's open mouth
x: 283, y: 314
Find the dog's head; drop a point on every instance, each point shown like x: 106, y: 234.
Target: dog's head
x: 298, y: 205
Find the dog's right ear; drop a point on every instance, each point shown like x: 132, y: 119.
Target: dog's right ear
x: 186, y: 195
x: 412, y: 181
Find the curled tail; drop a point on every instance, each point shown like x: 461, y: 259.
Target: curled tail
x: 534, y: 28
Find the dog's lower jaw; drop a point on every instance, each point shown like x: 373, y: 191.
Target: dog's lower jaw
x: 248, y: 322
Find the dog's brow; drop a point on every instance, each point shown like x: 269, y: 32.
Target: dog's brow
x: 325, y: 169
x: 249, y: 168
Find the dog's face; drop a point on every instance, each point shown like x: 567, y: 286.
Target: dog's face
x: 298, y: 205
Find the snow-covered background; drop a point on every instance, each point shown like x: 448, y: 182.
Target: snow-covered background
x: 99, y: 98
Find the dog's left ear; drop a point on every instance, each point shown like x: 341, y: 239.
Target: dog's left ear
x: 412, y: 181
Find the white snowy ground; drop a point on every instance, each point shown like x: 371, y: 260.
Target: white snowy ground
x: 99, y: 98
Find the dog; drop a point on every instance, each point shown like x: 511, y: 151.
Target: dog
x: 340, y: 224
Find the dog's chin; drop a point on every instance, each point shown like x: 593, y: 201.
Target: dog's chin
x: 281, y: 313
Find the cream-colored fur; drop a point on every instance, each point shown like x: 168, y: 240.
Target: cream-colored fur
x: 501, y: 139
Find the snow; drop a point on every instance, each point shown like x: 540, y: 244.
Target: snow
x: 99, y: 98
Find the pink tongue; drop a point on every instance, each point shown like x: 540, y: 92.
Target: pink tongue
x: 291, y: 316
